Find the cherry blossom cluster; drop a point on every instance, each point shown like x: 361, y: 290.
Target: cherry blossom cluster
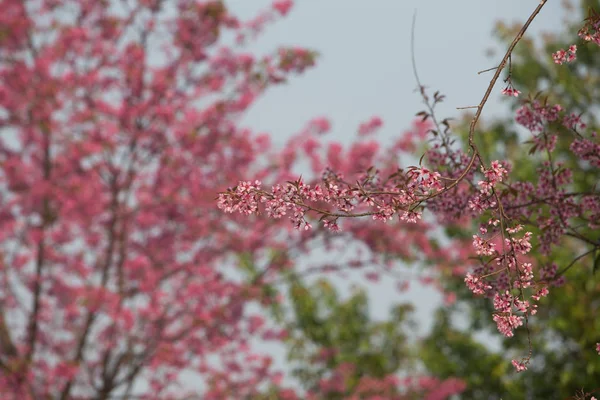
x: 388, y: 387
x: 565, y: 56
x: 500, y: 253
x: 588, y: 149
x: 512, y: 276
x: 534, y: 115
x: 297, y: 198
x: 510, y: 91
x: 590, y: 32
x: 558, y: 212
x: 369, y: 127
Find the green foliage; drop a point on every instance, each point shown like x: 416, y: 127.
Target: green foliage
x: 563, y: 333
x: 330, y: 331
x: 449, y: 352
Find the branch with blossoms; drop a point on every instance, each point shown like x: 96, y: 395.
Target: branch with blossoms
x: 453, y: 184
x: 590, y: 32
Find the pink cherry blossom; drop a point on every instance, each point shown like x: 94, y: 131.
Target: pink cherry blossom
x: 283, y: 6
x: 510, y: 91
x: 565, y: 56
x: 519, y: 365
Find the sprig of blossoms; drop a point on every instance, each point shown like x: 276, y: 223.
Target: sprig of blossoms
x: 588, y: 150
x: 494, y: 175
x: 565, y: 56
x: 418, y: 184
x: 590, y: 32
x: 242, y: 198
x: 534, y: 114
x: 519, y: 365
x: 511, y: 91
x: 476, y: 284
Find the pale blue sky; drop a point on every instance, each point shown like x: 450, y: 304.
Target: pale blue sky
x: 365, y: 66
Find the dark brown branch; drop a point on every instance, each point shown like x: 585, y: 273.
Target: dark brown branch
x: 33, y: 326
x: 91, y: 316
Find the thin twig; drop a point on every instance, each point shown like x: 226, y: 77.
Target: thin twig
x: 484, y: 100
x: 416, y: 74
x: 486, y: 70
x: 500, y: 67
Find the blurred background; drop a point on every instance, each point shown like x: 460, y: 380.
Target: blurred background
x: 122, y: 280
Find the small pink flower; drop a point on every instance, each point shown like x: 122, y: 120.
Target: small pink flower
x: 573, y: 121
x: 283, y: 6
x: 331, y: 225
x: 543, y: 292
x: 598, y: 347
x: 320, y: 125
x: 483, y: 247
x: 449, y: 298
x: 511, y: 91
x: 507, y: 323
x: 410, y: 216
x: 519, y: 366
x: 370, y: 126
x: 564, y: 56
x: 476, y: 284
